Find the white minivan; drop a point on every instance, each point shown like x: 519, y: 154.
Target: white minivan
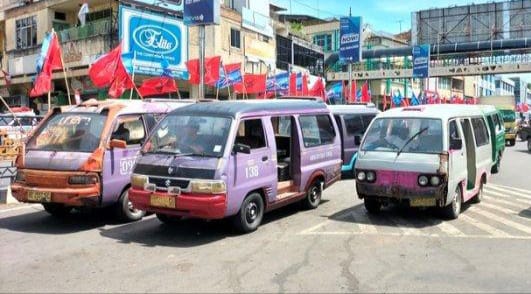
x: 427, y: 156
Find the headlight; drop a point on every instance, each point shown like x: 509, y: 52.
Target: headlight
x: 435, y: 181
x: 208, y: 187
x: 138, y: 181
x: 423, y: 180
x: 82, y: 180
x: 371, y: 176
x: 361, y: 176
x: 21, y: 177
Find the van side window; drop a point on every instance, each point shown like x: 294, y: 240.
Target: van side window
x: 317, y: 130
x: 130, y: 129
x: 251, y: 133
x: 480, y: 131
x: 353, y: 124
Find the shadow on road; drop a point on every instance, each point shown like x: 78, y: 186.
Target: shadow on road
x: 187, y: 232
x: 43, y: 223
x: 525, y: 213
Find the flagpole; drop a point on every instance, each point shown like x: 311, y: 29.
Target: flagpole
x: 64, y: 72
x: 49, y: 101
x: 133, y: 75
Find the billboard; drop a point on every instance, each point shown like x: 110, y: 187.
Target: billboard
x: 201, y: 12
x: 153, y: 43
x: 421, y: 61
x: 350, y: 44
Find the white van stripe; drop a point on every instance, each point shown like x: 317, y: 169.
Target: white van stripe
x: 528, y: 192
x: 364, y: 223
x: 508, y: 196
x: 484, y: 227
x: 502, y: 220
x: 503, y: 190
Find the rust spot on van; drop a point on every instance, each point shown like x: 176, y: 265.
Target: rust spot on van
x: 443, y: 164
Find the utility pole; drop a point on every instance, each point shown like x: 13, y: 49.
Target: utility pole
x: 350, y: 66
x: 400, y: 24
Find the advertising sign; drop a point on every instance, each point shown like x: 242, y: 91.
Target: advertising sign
x: 421, y: 61
x: 350, y: 44
x: 153, y: 43
x: 258, y: 50
x: 201, y: 12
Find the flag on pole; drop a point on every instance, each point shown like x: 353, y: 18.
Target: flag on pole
x: 335, y: 92
x: 83, y: 11
x: 365, y: 93
x: 49, y: 60
x: 278, y: 85
x: 318, y: 89
x: 252, y: 84
x: 212, y: 65
x: 304, y: 85
x: 109, y: 70
x: 157, y: 86
x: 230, y: 75
x: 292, y: 91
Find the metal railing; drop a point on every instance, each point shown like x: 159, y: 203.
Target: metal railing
x: 90, y: 29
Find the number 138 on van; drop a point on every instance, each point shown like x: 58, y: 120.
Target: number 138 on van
x: 251, y: 171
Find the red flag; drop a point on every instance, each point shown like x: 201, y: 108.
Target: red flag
x: 158, y: 85
x: 292, y: 90
x: 353, y: 92
x: 318, y: 89
x: 121, y: 82
x: 252, y: 84
x: 304, y: 85
x: 211, y: 70
x: 7, y: 78
x: 52, y: 61
x: 384, y: 102
x: 365, y: 93
x: 102, y: 70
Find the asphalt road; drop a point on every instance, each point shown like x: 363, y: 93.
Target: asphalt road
x: 335, y: 248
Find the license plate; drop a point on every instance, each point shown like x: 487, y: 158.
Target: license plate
x: 39, y: 196
x: 162, y: 201
x: 422, y: 202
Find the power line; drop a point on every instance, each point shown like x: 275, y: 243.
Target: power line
x: 315, y: 9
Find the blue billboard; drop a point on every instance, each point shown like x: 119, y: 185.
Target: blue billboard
x: 153, y: 43
x: 421, y: 61
x: 201, y: 12
x: 350, y: 44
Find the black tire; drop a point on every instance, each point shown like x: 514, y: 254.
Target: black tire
x: 313, y: 196
x: 250, y: 215
x: 453, y: 209
x: 512, y: 142
x: 168, y: 219
x: 479, y: 195
x: 496, y: 167
x: 125, y: 209
x: 57, y: 209
x: 529, y: 144
x: 373, y: 206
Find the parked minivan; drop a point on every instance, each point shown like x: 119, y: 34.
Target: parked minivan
x: 237, y: 159
x: 83, y: 155
x: 352, y: 121
x: 430, y: 155
x: 497, y: 134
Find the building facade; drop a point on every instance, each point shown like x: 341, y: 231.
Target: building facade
x: 504, y: 86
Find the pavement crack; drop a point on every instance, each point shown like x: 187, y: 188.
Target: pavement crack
x: 351, y: 280
x: 282, y: 277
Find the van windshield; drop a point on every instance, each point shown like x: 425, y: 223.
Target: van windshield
x: 407, y: 135
x: 74, y: 132
x: 190, y: 135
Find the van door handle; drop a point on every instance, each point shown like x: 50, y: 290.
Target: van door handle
x: 265, y: 158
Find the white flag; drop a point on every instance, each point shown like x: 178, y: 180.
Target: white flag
x: 82, y: 14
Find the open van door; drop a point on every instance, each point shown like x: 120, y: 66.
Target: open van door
x: 457, y: 169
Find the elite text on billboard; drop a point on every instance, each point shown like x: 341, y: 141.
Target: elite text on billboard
x: 350, y: 39
x: 421, y: 61
x: 201, y: 12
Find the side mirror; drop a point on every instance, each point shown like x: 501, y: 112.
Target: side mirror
x: 456, y: 144
x: 115, y: 143
x: 357, y: 140
x: 241, y: 148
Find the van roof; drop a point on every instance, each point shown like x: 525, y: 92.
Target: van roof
x: 242, y: 107
x: 130, y: 106
x: 353, y: 108
x: 442, y: 111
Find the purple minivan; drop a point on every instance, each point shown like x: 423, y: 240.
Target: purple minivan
x: 83, y: 155
x: 237, y: 159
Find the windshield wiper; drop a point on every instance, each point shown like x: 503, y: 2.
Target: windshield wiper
x: 411, y: 139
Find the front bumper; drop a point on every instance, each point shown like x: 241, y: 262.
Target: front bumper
x: 205, y: 206
x: 87, y: 196
x: 420, y: 196
x: 510, y: 136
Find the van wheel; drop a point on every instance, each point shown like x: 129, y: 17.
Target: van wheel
x: 512, y: 142
x: 496, y: 167
x: 529, y: 144
x: 125, y: 209
x: 313, y: 196
x: 168, y: 219
x: 373, y: 206
x: 57, y: 209
x: 250, y: 215
x: 479, y: 195
x: 452, y: 210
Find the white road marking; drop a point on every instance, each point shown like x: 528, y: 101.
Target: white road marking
x: 513, y: 193
x: 508, y: 211
x: 512, y: 204
x: 364, y: 223
x: 502, y: 220
x: 528, y: 192
x: 498, y: 194
x: 405, y: 226
x: 324, y: 223
x: 20, y: 208
x: 484, y: 227
x: 449, y: 229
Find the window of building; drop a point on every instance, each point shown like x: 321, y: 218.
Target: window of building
x: 235, y: 38
x: 26, y: 32
x: 263, y: 38
x: 100, y: 14
x: 251, y: 133
x: 317, y: 130
x: 324, y: 41
x: 480, y: 131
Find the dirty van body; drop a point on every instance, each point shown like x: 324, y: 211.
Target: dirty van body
x: 237, y: 159
x: 83, y: 155
x: 425, y: 156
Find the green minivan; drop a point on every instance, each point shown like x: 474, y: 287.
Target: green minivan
x: 497, y: 133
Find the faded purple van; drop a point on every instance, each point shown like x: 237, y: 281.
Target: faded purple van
x: 83, y: 155
x: 237, y: 159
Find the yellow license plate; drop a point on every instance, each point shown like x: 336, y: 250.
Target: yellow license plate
x: 162, y: 201
x: 39, y: 196
x: 422, y: 202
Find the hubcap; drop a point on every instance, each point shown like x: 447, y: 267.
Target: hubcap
x: 314, y: 195
x: 252, y: 211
